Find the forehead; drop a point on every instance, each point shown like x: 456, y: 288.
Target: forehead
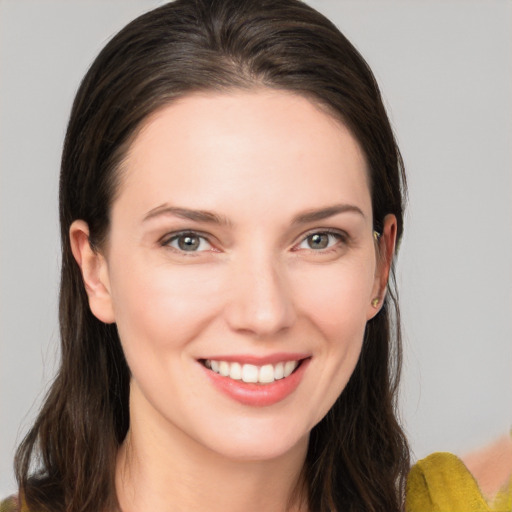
x: 259, y: 145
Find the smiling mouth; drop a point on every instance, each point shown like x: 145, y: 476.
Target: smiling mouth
x: 250, y: 373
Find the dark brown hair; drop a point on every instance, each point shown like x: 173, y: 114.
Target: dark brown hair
x: 358, y: 455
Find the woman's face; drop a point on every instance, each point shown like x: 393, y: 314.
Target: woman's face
x: 240, y: 249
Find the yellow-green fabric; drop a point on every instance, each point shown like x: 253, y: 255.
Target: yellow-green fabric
x: 9, y: 505
x: 442, y: 483
x: 13, y: 504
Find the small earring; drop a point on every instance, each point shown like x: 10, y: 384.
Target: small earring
x: 376, y: 235
x: 375, y: 302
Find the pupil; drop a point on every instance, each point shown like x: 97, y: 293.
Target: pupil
x: 319, y: 241
x: 188, y: 242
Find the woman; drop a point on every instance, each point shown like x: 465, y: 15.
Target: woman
x: 230, y: 201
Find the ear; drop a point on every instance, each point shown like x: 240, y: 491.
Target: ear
x: 94, y: 272
x: 385, y: 251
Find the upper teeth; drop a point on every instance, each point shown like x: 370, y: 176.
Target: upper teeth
x: 252, y: 373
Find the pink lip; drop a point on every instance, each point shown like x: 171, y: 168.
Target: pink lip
x: 258, y: 395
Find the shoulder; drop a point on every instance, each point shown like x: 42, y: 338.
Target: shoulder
x: 442, y: 483
x: 10, y: 505
x: 13, y: 504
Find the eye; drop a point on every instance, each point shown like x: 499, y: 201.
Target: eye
x: 188, y: 242
x: 320, y: 240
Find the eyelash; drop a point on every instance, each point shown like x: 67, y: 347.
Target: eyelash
x: 340, y: 236
x: 168, y: 239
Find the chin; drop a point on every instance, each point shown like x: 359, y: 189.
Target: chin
x: 259, y: 441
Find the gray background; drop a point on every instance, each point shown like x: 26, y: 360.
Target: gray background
x: 445, y: 68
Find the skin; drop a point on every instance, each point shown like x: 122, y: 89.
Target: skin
x: 257, y: 159
x: 491, y: 466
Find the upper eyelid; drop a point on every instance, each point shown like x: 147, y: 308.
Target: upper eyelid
x: 175, y: 234
x: 330, y: 231
x: 165, y: 240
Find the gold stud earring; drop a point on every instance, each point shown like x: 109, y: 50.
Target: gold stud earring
x: 376, y: 235
x: 375, y: 302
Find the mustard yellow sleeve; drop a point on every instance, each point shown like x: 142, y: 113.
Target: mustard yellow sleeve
x: 9, y: 505
x: 441, y: 483
x: 13, y: 504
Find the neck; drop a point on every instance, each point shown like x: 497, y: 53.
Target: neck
x: 160, y: 467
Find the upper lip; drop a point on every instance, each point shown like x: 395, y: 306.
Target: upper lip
x: 258, y: 360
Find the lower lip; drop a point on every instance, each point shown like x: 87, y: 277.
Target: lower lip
x: 258, y: 395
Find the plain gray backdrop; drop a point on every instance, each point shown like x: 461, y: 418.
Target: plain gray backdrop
x: 445, y: 69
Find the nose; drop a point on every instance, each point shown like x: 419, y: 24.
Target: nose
x: 260, y: 302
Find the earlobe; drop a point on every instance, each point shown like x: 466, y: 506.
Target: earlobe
x: 93, y: 266
x: 386, y: 250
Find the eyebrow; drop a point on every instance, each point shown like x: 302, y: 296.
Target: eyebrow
x: 212, y: 218
x: 186, y: 213
x: 324, y: 213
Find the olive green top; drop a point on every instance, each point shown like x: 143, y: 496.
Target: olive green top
x: 442, y: 483
x: 10, y: 505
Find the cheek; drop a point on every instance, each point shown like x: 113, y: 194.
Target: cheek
x: 336, y: 297
x: 335, y: 301
x: 159, y: 307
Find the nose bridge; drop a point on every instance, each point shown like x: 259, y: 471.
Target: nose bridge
x: 261, y: 302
